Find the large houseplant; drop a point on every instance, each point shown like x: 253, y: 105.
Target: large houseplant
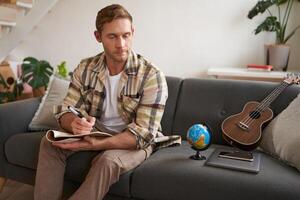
x: 37, y: 74
x: 276, y: 21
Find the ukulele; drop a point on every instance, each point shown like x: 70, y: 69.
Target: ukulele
x: 243, y: 130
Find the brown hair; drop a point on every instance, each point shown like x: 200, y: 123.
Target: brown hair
x: 110, y: 13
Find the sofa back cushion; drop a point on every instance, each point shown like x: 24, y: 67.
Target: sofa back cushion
x: 210, y: 101
x: 168, y: 117
x: 44, y: 117
x: 281, y: 137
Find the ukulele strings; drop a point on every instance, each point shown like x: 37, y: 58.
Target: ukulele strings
x: 250, y: 118
x: 264, y: 104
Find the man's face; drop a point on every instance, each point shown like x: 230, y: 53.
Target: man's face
x: 116, y: 38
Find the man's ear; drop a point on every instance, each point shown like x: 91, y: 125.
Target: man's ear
x: 97, y: 36
x: 132, y: 30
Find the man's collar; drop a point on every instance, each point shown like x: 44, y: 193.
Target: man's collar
x: 131, y: 66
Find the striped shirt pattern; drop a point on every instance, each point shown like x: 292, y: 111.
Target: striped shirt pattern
x: 142, y: 94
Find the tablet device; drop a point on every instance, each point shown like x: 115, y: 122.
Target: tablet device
x: 217, y: 160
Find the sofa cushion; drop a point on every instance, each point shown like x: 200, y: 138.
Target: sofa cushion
x: 22, y: 150
x: 170, y: 174
x: 44, y: 117
x: 281, y: 138
x: 173, y: 92
x: 210, y: 101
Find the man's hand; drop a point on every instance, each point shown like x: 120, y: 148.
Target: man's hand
x: 82, y: 125
x: 73, y: 124
x: 88, y: 143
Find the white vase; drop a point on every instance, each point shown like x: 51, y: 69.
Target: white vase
x: 277, y: 56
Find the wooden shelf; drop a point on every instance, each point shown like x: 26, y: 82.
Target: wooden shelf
x: 25, y: 3
x: 8, y: 1
x: 245, y: 74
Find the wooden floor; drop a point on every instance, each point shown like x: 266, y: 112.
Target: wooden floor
x: 16, y: 191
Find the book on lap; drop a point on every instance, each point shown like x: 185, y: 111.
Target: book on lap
x: 64, y: 137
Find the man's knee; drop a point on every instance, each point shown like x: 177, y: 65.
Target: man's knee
x: 47, y: 149
x: 106, y: 160
x: 45, y: 144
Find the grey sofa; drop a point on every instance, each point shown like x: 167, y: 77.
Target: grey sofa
x: 168, y: 173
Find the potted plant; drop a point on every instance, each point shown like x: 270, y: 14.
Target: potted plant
x: 276, y: 21
x: 62, y: 71
x: 37, y: 74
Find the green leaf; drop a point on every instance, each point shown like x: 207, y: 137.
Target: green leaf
x: 30, y: 60
x: 263, y: 5
x: 270, y: 24
x: 260, y: 7
x: 36, y: 73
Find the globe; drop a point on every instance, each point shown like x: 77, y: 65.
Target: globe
x: 199, y: 137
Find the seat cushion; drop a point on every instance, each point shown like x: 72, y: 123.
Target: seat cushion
x: 22, y: 150
x: 170, y: 174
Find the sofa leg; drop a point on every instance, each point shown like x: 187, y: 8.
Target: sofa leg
x: 2, y: 183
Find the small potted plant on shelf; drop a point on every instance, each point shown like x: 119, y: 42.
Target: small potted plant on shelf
x: 277, y: 21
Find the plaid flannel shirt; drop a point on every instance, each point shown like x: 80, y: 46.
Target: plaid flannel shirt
x: 142, y: 94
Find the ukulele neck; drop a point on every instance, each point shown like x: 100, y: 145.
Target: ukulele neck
x: 273, y: 95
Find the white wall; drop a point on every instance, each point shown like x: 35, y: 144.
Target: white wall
x: 182, y: 37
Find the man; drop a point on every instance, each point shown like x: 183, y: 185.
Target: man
x: 118, y: 92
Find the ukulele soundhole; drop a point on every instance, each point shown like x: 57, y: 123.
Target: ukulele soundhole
x: 254, y: 114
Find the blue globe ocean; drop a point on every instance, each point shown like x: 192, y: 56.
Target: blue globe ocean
x: 199, y: 136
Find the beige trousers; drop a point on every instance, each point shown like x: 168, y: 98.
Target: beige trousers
x: 105, y: 170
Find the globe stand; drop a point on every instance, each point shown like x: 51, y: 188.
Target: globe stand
x: 197, y: 156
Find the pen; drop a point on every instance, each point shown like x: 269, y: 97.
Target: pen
x: 75, y: 112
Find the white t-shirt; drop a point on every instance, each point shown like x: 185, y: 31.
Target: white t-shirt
x: 111, y: 118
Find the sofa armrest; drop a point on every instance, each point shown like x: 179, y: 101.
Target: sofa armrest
x: 15, y: 118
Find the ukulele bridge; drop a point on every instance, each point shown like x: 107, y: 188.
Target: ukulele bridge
x: 243, y: 126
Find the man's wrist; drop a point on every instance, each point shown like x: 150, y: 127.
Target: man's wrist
x: 65, y: 121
